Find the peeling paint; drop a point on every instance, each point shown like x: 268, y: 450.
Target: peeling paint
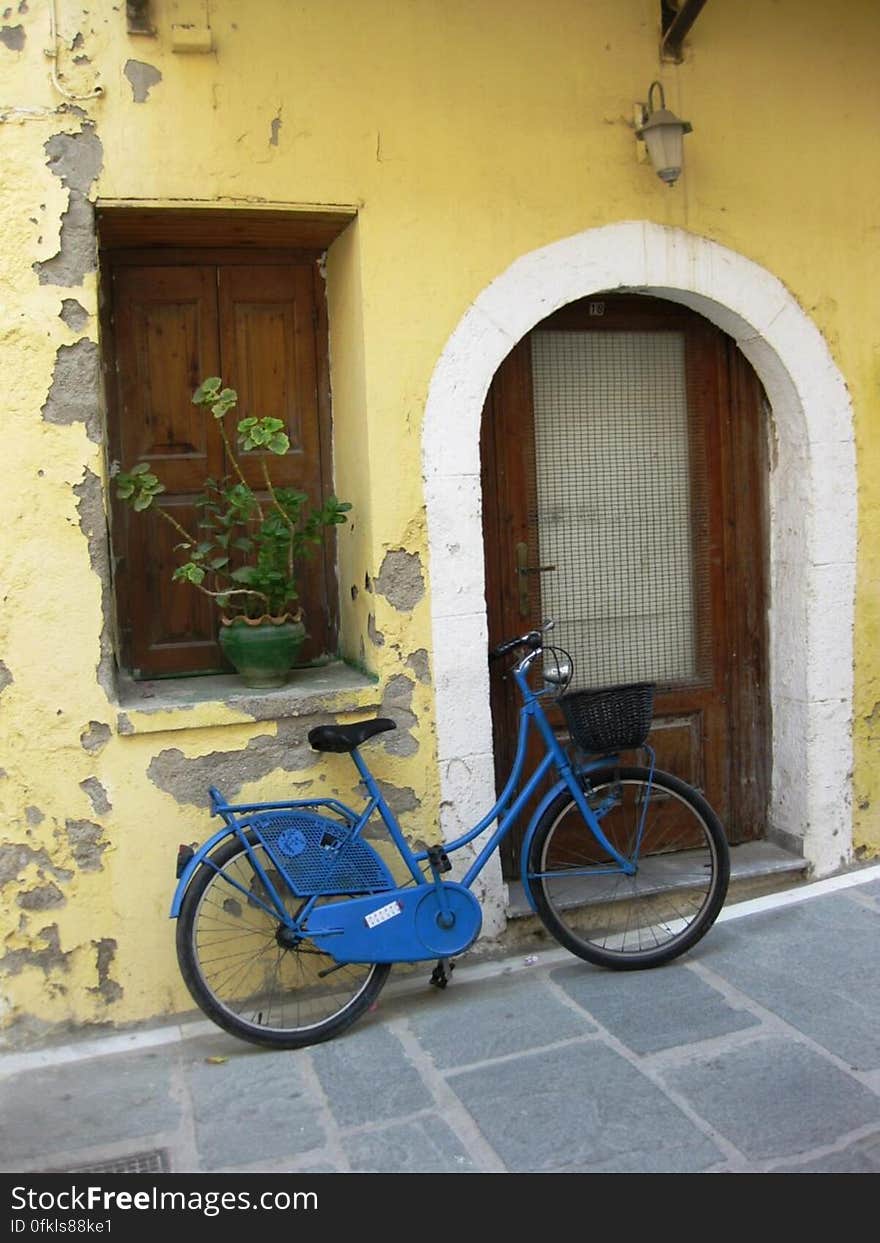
x: 142, y: 77
x: 105, y: 952
x: 401, y: 799
x: 396, y: 704
x: 376, y: 637
x: 95, y: 738
x: 274, y: 129
x: 77, y: 160
x: 15, y: 858
x: 101, y: 804
x: 41, y: 898
x: 50, y: 958
x: 74, y: 314
x: 34, y: 816
x: 418, y: 662
x: 187, y: 780
x: 400, y: 579
x: 75, y: 395
x: 87, y: 842
x: 93, y: 524
x: 13, y: 37
x: 6, y: 678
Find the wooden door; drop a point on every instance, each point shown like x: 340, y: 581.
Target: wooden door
x: 260, y: 326
x: 623, y: 483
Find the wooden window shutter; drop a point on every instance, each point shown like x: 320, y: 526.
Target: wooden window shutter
x: 259, y: 325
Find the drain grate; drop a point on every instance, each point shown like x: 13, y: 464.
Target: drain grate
x: 156, y: 1161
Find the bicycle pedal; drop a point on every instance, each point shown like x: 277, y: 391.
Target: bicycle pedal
x: 439, y: 859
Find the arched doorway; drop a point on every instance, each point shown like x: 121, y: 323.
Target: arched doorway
x: 812, y: 500
x: 623, y: 462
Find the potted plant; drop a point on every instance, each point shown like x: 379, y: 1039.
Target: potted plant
x: 247, y: 549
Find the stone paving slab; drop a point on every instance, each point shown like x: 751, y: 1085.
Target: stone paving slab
x: 250, y: 1107
x: 815, y: 965
x: 861, y: 1157
x: 63, y: 1108
x: 645, y: 1009
x: 775, y: 1097
x: 509, y: 1019
x: 423, y: 1145
x: 367, y: 1077
x: 578, y: 1107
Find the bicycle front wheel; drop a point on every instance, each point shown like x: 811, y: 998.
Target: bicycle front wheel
x: 682, y: 869
x: 244, y: 973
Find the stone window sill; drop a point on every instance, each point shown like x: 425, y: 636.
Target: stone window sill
x: 202, y: 702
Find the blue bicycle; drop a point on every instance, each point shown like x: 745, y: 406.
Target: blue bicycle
x: 289, y: 920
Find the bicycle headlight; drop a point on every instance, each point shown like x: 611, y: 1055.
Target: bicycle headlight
x: 558, y: 667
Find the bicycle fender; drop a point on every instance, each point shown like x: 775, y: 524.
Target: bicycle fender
x: 525, y: 848
x: 193, y: 865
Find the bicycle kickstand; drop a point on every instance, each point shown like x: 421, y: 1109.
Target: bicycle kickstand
x: 442, y: 973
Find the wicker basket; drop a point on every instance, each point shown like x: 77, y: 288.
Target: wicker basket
x: 610, y: 718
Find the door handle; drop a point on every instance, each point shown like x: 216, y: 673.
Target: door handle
x: 523, y: 570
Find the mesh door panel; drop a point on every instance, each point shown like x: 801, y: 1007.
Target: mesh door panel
x: 620, y: 506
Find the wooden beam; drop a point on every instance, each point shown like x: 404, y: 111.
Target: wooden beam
x: 675, y: 32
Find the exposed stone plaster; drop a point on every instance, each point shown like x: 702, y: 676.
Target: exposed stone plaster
x: 87, y: 843
x: 50, y: 958
x: 400, y: 579
x: 41, y: 898
x: 74, y: 314
x: 97, y: 794
x: 93, y: 524
x: 397, y: 705
x: 75, y: 394
x: 142, y: 78
x: 187, y: 780
x: 13, y: 37
x: 18, y: 856
x: 376, y: 637
x: 105, y: 952
x: 418, y: 662
x: 95, y: 738
x: 77, y: 160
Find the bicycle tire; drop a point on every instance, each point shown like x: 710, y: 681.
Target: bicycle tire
x: 630, y: 922
x: 214, y: 927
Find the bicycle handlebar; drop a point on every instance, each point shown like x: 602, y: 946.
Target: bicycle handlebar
x: 534, y: 641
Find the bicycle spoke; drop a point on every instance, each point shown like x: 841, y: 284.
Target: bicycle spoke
x: 613, y: 918
x: 242, y: 973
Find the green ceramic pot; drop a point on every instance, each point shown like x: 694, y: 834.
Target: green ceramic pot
x: 262, y: 651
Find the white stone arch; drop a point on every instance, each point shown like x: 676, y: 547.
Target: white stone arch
x: 812, y: 492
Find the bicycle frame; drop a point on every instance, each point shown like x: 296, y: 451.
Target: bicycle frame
x: 506, y: 811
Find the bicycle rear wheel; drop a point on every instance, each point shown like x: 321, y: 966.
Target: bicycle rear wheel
x: 630, y: 922
x: 242, y: 974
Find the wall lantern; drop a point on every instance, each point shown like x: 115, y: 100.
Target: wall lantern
x: 662, y: 133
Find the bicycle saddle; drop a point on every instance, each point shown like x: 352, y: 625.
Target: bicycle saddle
x: 347, y: 737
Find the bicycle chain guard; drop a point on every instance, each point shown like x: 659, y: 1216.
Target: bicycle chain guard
x: 402, y: 925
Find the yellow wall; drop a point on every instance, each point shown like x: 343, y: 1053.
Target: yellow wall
x: 465, y: 134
